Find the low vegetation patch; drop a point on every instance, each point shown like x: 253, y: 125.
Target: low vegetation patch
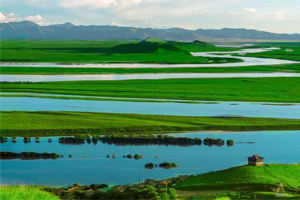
x: 220, y: 89
x: 70, y: 123
x: 25, y: 192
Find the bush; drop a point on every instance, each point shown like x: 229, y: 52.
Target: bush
x: 174, y: 165
x: 172, y: 193
x: 230, y: 142
x: 165, y: 196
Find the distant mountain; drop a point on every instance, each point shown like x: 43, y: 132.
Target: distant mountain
x: 68, y: 31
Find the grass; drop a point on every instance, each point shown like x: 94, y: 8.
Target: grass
x: 24, y: 192
x: 76, y: 70
x: 243, y: 195
x: 100, y: 52
x: 226, y: 89
x: 245, y: 178
x: 70, y: 123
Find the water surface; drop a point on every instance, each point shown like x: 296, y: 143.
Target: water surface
x: 245, y: 109
x: 48, y: 78
x: 276, y: 146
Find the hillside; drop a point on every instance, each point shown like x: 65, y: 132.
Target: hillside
x: 245, y: 177
x: 68, y: 31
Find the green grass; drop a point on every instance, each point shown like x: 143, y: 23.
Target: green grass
x: 76, y: 70
x: 245, y: 177
x: 70, y: 123
x: 245, y: 195
x: 99, y: 52
x: 25, y: 192
x: 226, y: 89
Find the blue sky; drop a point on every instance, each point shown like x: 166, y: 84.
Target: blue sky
x: 282, y: 16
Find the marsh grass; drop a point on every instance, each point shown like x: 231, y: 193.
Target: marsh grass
x: 221, y: 89
x: 70, y: 123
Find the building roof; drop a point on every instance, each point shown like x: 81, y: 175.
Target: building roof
x: 256, y: 157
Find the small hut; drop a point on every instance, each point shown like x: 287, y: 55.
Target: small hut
x: 255, y: 160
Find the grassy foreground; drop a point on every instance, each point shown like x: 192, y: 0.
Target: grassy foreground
x: 223, y: 89
x: 245, y: 177
x: 61, y: 71
x: 70, y: 123
x: 25, y: 192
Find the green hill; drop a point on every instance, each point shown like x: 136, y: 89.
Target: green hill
x: 153, y: 40
x: 245, y: 177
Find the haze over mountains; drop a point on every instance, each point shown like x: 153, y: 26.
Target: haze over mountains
x: 68, y: 31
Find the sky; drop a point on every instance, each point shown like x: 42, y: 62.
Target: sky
x: 280, y: 16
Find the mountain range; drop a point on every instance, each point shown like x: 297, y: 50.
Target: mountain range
x: 68, y: 31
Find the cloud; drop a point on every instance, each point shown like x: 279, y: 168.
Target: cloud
x: 2, y: 17
x: 252, y: 10
x: 12, y: 17
x: 37, y: 18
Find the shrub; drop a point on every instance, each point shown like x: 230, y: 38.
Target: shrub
x: 174, y: 164
x: 172, y: 193
x: 165, y: 196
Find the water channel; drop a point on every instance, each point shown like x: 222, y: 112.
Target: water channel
x: 247, y: 61
x: 275, y: 146
x: 245, y: 109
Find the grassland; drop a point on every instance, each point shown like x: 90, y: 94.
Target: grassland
x: 70, y: 123
x: 85, y: 71
x: 245, y: 178
x: 25, y: 192
x: 148, y: 51
x: 232, y: 89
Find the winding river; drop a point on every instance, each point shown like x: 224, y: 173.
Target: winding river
x: 245, y: 109
x: 247, y: 61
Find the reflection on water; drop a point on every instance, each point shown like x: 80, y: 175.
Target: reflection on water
x: 50, y: 78
x: 246, y: 109
x: 275, y: 146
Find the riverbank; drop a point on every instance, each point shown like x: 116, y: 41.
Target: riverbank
x: 221, y: 89
x: 70, y: 123
x: 85, y: 71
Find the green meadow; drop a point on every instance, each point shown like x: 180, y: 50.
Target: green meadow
x: 146, y: 51
x: 245, y: 177
x: 25, y: 192
x: 223, y: 89
x: 70, y: 123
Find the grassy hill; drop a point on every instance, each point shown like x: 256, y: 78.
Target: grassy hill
x: 245, y: 177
